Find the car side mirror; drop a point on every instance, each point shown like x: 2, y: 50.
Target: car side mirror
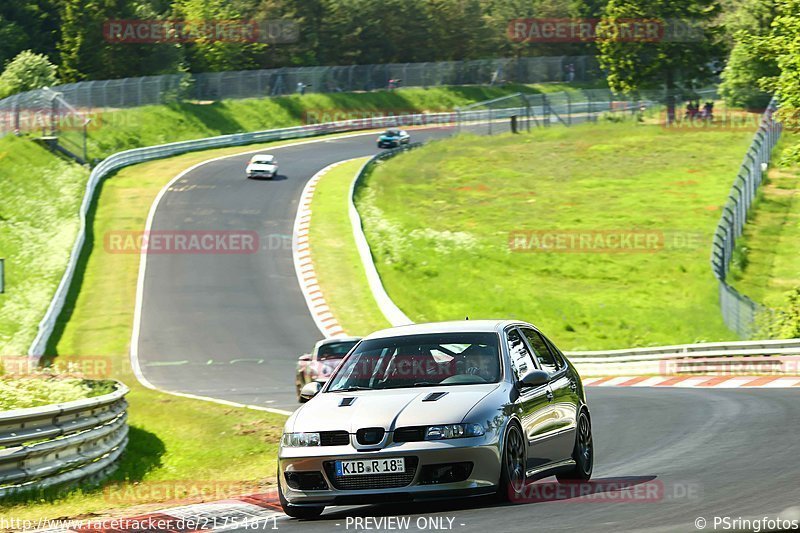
x: 534, y: 378
x: 310, y: 390
x: 305, y: 357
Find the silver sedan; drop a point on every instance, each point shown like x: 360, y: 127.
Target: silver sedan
x: 432, y: 411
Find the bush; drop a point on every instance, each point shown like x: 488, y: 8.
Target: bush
x: 27, y: 71
x: 35, y: 391
x: 783, y: 323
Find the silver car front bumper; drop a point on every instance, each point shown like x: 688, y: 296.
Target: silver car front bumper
x: 483, y: 452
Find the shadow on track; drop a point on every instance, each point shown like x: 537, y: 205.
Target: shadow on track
x: 628, y: 488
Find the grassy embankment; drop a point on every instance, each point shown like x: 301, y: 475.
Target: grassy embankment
x: 767, y: 257
x: 336, y: 260
x: 440, y: 220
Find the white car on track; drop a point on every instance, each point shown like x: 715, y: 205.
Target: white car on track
x: 262, y: 166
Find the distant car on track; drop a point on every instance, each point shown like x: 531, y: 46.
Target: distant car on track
x: 393, y: 137
x: 441, y: 410
x: 262, y: 166
x: 320, y: 363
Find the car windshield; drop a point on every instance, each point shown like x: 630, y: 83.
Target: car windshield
x: 392, y: 133
x: 262, y: 160
x: 420, y: 361
x: 334, y: 350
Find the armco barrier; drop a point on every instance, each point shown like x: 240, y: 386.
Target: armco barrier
x: 393, y: 314
x: 45, y: 446
x: 748, y: 357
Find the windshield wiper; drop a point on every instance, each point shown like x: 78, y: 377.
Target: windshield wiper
x: 350, y: 389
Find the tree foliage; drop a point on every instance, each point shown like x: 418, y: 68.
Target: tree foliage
x: 334, y: 32
x: 746, y: 66
x: 27, y: 71
x: 681, y: 63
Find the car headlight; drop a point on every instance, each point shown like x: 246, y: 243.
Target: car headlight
x: 300, y: 440
x: 453, y: 431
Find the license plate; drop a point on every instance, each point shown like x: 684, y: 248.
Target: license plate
x: 370, y: 466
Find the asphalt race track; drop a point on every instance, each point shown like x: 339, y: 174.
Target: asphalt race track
x: 692, y: 453
x: 231, y: 326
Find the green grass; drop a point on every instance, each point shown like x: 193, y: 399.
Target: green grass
x: 39, y: 220
x: 769, y: 251
x: 35, y: 391
x: 336, y: 260
x: 148, y: 125
x: 173, y: 440
x: 439, y: 220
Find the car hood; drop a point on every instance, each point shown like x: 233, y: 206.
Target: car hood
x: 387, y: 408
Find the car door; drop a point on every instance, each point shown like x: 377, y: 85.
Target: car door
x: 533, y: 403
x: 561, y: 431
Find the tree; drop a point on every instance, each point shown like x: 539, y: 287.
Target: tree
x: 27, y: 71
x: 746, y: 66
x: 28, y: 25
x: 671, y: 62
x: 782, y: 45
x: 86, y: 52
x: 740, y: 79
x: 12, y: 39
x: 207, y: 54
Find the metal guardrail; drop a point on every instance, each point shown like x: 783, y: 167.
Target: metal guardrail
x: 393, y: 314
x: 738, y: 311
x: 45, y: 446
x: 730, y: 358
x: 701, y: 349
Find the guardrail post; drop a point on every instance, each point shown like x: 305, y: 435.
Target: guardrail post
x: 569, y: 108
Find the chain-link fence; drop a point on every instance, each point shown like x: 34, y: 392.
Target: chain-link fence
x: 739, y: 311
x: 522, y: 111
x: 42, y: 110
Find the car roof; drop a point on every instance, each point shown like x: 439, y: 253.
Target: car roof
x: 454, y: 326
x: 263, y: 156
x: 334, y: 340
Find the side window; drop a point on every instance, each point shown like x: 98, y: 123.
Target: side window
x: 521, y: 360
x: 546, y: 359
x: 560, y: 359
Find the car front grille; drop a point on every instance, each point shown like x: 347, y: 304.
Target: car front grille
x: 334, y: 438
x: 409, y: 434
x: 372, y: 481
